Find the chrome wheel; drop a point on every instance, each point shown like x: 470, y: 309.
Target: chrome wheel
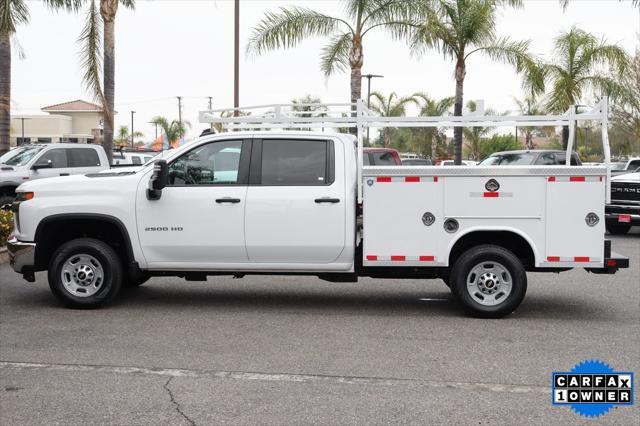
x: 489, y: 283
x: 82, y: 275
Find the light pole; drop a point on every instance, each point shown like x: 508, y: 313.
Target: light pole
x: 156, y: 126
x: 369, y: 77
x: 22, y: 120
x: 132, y: 112
x: 179, y: 115
x: 236, y: 60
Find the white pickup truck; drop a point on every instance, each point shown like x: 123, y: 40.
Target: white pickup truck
x: 301, y: 203
x: 39, y: 161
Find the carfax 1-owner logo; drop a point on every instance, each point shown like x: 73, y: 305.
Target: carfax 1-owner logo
x: 592, y: 388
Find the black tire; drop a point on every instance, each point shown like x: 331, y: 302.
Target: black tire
x: 486, y: 256
x: 109, y: 265
x: 6, y: 199
x: 616, y: 228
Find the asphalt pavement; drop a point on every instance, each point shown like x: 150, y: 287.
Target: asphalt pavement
x: 297, y: 350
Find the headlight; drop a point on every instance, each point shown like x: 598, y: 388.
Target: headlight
x: 24, y: 196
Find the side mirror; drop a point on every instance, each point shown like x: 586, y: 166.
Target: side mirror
x: 42, y: 165
x: 158, y: 179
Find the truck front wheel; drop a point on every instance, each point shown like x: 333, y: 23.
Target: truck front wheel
x: 489, y: 281
x: 85, y: 273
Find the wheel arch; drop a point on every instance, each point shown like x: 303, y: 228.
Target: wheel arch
x: 509, y: 238
x: 54, y: 230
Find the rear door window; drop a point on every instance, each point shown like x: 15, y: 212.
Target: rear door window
x: 383, y: 158
x: 83, y: 157
x: 295, y: 162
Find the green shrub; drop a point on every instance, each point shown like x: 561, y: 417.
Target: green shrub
x: 6, y: 226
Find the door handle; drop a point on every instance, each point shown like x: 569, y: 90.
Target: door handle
x: 64, y: 174
x: 327, y: 200
x: 227, y: 200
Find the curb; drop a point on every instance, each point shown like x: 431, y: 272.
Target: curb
x: 4, y: 255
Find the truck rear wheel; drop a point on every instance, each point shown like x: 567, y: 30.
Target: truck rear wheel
x: 85, y: 273
x: 489, y: 281
x: 616, y: 228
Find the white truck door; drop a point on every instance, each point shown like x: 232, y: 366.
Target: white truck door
x: 199, y: 220
x: 296, y: 207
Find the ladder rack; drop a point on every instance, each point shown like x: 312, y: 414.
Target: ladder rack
x: 300, y: 116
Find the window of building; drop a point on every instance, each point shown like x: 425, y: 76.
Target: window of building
x: 44, y: 140
x: 23, y: 141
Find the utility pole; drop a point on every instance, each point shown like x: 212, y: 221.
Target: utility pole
x: 156, y: 125
x: 210, y: 108
x: 132, y: 112
x: 22, y: 120
x: 369, y: 77
x: 179, y: 114
x: 236, y: 61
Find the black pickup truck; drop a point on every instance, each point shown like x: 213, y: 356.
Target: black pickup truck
x: 624, y: 210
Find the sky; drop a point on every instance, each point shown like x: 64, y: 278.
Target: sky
x: 169, y: 48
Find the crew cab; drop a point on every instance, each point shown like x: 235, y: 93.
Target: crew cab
x: 47, y: 160
x: 301, y: 203
x: 624, y: 210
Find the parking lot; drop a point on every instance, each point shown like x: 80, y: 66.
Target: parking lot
x: 295, y: 350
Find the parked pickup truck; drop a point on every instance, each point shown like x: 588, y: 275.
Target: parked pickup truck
x: 624, y: 210
x: 280, y: 202
x: 47, y: 160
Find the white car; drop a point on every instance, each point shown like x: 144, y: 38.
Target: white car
x: 452, y: 163
x: 47, y: 160
x: 126, y: 158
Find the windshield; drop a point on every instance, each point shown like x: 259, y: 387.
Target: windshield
x: 7, y: 155
x: 618, y: 166
x: 24, y: 156
x: 524, y: 158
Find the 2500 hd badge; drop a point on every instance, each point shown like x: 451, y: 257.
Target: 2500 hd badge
x: 164, y: 228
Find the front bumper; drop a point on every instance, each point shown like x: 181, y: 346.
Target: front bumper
x: 21, y: 255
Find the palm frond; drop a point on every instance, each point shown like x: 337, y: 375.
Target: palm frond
x: 335, y: 55
x: 91, y: 52
x: 68, y: 5
x: 289, y: 26
x: 129, y: 4
x: 12, y: 14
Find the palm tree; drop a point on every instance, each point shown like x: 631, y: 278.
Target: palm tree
x: 124, y: 138
x: 531, y: 106
x: 289, y: 26
x: 12, y: 14
x: 473, y: 135
x: 173, y: 130
x: 100, y: 26
x: 461, y: 28
x: 626, y: 111
x: 433, y: 108
x: 577, y: 68
x: 392, y: 106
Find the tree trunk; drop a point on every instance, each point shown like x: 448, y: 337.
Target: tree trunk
x: 5, y: 91
x: 108, y: 10
x: 434, y: 145
x: 457, y: 111
x: 565, y: 137
x: 355, y: 61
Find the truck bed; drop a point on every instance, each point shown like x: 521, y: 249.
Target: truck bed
x: 547, y: 206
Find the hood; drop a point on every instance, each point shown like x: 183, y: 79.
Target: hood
x: 627, y: 177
